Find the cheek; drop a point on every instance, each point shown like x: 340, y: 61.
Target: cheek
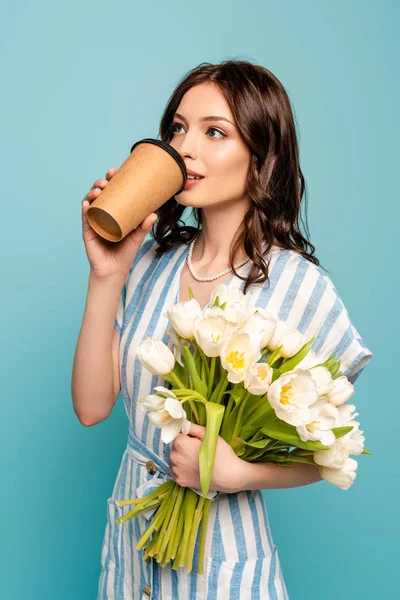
x: 229, y: 167
x: 229, y: 179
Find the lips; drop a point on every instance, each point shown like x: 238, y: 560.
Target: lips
x: 190, y: 172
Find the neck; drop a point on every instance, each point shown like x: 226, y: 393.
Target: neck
x: 220, y: 228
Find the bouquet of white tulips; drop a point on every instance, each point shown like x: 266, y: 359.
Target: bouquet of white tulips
x: 256, y: 383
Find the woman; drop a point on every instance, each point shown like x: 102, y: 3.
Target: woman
x: 233, y: 126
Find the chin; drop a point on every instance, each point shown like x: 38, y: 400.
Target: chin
x: 187, y: 201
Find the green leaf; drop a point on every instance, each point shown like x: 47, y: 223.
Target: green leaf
x: 338, y: 374
x: 365, y: 451
x: 293, y: 361
x: 214, y: 413
x: 259, y: 414
x: 238, y: 446
x: 247, y: 432
x: 273, y: 356
x: 282, y: 431
x: 275, y: 374
x: 334, y: 368
x: 300, y: 452
x: 341, y: 431
x: 186, y: 393
x: 222, y: 383
x: 198, y: 384
x: 308, y: 460
x: 237, y: 394
x: 255, y: 455
x: 181, y: 372
x: 252, y: 404
x: 328, y: 363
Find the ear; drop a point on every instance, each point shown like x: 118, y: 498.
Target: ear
x: 197, y: 431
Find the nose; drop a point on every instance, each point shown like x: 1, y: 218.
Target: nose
x: 185, y: 145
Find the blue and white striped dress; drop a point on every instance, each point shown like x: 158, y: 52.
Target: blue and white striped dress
x: 241, y: 559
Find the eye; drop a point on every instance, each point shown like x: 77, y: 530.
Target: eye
x: 217, y: 130
x: 174, y: 125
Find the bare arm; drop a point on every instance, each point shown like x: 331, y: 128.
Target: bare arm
x: 95, y: 383
x: 267, y: 475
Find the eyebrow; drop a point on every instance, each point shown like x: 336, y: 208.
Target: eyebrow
x: 211, y: 118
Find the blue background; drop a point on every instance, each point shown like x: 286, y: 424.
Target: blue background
x: 81, y: 82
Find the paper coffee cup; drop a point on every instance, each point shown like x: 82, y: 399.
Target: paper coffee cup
x: 153, y: 173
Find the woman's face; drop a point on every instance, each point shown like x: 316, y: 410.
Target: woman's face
x: 211, y: 148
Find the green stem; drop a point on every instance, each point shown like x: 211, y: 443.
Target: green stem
x: 223, y: 388
x: 156, y: 523
x: 175, y: 379
x: 148, y: 502
x: 178, y: 532
x: 229, y: 407
x: 189, y: 505
x: 166, y: 545
x: 203, y: 536
x: 171, y: 505
x: 211, y: 374
x: 239, y: 415
x: 193, y: 533
x: 149, y: 550
x: 195, y: 411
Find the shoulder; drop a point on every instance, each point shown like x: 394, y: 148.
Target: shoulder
x: 303, y: 294
x: 289, y: 261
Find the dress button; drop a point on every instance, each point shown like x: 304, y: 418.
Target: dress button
x: 147, y: 590
x: 151, y: 467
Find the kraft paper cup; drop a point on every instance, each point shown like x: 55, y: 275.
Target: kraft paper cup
x: 153, y: 173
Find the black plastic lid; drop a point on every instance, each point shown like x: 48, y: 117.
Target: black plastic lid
x: 172, y: 152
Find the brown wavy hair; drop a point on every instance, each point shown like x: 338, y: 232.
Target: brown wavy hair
x: 275, y: 183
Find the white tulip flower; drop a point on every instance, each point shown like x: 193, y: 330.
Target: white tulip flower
x: 346, y: 414
x: 211, y: 333
x: 177, y: 345
x: 155, y: 356
x: 350, y: 443
x: 182, y: 315
x: 238, y: 353
x: 334, y: 458
x: 342, y: 477
x: 340, y: 391
x: 292, y: 340
x: 152, y: 402
x: 354, y: 440
x: 167, y: 413
x: 260, y: 326
x: 258, y: 378
x: 239, y: 306
x: 323, y: 417
x: 322, y: 378
x: 291, y: 396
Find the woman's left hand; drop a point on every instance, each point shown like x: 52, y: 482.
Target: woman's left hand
x: 227, y: 474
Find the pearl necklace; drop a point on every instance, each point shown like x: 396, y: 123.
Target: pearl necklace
x: 209, y: 277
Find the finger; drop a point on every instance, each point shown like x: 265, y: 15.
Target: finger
x: 85, y: 224
x: 197, y: 431
x: 110, y: 173
x: 93, y: 194
x: 148, y: 223
x: 99, y: 183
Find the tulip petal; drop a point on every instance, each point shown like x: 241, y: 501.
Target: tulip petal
x: 174, y: 407
x: 155, y: 418
x: 170, y: 431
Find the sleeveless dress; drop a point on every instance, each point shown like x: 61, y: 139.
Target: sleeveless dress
x: 241, y: 560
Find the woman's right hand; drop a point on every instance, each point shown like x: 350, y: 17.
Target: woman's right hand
x: 111, y: 258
